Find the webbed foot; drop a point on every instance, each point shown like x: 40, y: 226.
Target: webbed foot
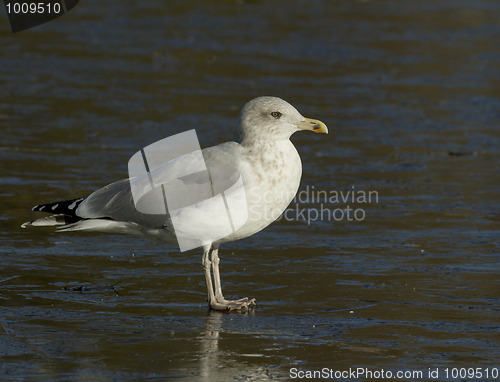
x: 242, y: 305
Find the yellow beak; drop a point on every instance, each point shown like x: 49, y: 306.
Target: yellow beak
x: 313, y: 125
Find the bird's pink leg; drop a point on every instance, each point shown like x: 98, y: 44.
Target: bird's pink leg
x: 241, y: 304
x: 208, y: 277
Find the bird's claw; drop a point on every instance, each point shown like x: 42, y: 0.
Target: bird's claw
x: 242, y: 305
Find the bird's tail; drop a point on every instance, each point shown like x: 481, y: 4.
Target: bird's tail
x: 64, y: 212
x: 66, y: 219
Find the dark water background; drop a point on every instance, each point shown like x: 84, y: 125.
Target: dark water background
x: 411, y: 94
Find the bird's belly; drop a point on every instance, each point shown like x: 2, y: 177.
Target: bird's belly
x: 265, y: 203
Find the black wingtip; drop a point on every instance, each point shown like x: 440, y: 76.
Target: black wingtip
x: 38, y: 207
x: 66, y: 207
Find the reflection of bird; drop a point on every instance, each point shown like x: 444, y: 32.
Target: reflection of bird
x: 269, y: 166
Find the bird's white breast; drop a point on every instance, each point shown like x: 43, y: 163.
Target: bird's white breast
x: 271, y: 173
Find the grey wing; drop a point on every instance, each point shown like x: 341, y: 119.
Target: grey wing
x: 224, y: 155
x: 115, y: 201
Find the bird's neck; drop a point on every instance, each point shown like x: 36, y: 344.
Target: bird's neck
x: 272, y: 153
x: 266, y: 148
x: 262, y: 143
x: 249, y: 137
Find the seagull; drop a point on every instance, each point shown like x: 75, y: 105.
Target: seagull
x: 263, y: 155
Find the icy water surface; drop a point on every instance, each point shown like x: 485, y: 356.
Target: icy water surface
x: 407, y: 282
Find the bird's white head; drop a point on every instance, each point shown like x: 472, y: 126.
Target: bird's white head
x: 271, y: 118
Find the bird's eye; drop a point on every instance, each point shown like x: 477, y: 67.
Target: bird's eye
x: 276, y: 114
